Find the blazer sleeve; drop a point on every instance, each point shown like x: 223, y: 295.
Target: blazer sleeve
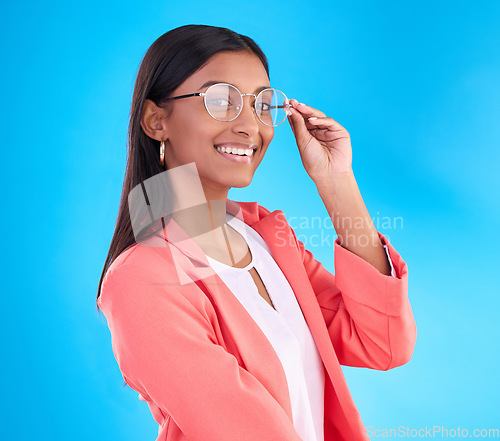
x: 166, y: 348
x: 368, y: 314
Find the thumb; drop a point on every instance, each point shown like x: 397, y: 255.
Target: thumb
x: 299, y: 128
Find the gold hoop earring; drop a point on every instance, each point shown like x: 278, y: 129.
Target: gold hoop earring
x: 162, y: 153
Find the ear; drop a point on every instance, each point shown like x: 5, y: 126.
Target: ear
x: 154, y: 121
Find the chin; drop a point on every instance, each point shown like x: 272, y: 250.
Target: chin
x: 241, y: 185
x: 238, y: 182
x: 236, y: 179
x: 241, y: 181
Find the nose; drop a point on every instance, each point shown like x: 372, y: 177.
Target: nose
x: 247, y: 121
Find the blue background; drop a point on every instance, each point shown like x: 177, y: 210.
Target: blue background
x: 416, y: 84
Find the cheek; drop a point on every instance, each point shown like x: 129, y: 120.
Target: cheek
x: 267, y: 135
x: 192, y: 129
x: 189, y: 117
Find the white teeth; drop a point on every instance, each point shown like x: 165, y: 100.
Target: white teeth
x: 235, y: 151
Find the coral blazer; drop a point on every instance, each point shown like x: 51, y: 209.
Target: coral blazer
x: 206, y: 370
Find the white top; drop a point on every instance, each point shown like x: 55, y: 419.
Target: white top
x: 285, y: 328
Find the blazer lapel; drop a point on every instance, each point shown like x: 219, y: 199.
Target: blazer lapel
x: 246, y: 342
x: 275, y: 231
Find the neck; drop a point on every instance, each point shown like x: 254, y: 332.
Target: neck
x: 201, y: 216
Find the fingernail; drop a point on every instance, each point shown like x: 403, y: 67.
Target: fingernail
x: 312, y: 117
x: 288, y: 112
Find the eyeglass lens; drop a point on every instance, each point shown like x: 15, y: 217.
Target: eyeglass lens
x: 224, y: 103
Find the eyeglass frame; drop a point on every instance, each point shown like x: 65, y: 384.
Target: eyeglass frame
x: 204, y: 94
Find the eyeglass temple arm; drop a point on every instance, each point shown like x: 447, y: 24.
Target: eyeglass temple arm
x: 184, y: 96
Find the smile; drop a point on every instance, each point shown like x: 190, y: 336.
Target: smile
x: 236, y: 154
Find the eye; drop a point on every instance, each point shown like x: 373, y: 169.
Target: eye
x: 219, y: 102
x: 263, y: 106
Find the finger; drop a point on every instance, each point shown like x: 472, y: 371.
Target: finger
x: 306, y: 110
x: 325, y: 122
x: 298, y: 124
x: 290, y: 121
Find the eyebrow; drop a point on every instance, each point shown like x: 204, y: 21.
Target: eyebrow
x: 212, y: 82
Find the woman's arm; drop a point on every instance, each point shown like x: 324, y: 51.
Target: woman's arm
x: 367, y: 314
x: 351, y: 220
x: 326, y: 153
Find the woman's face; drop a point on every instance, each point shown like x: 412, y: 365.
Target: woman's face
x: 193, y: 134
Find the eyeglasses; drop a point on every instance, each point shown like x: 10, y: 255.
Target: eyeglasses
x: 224, y: 102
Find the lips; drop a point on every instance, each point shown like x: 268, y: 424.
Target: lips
x: 245, y: 159
x: 238, y: 145
x: 242, y: 159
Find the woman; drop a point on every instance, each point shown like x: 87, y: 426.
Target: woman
x: 220, y: 318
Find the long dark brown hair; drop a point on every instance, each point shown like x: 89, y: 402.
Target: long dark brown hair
x: 169, y: 61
